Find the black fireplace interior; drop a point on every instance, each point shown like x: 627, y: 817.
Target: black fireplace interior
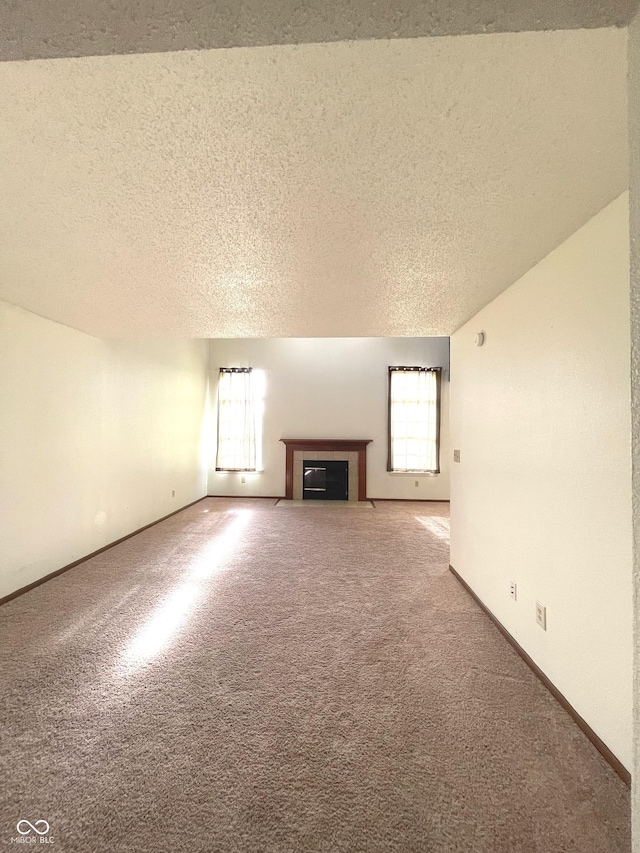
x: 325, y: 481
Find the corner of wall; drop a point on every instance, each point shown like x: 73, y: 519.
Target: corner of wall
x: 634, y: 226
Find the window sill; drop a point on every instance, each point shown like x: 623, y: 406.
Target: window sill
x: 242, y: 471
x: 414, y: 473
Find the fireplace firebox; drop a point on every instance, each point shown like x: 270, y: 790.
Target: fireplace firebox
x: 325, y: 480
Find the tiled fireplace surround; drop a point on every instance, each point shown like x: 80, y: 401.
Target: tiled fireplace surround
x: 343, y: 450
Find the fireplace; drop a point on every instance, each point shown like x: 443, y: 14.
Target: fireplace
x: 315, y: 452
x: 325, y: 480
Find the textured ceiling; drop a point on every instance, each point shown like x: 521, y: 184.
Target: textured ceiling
x: 359, y: 188
x: 39, y: 29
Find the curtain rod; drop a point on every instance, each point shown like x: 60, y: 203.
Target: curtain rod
x: 425, y: 369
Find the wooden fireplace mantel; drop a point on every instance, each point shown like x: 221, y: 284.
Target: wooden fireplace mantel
x: 348, y: 445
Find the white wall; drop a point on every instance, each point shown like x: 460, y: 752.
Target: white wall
x: 634, y: 181
x: 542, y: 494
x: 94, y: 436
x: 330, y: 388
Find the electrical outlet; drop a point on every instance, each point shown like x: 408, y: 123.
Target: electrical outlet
x: 541, y: 615
x: 514, y: 590
x: 243, y: 479
x: 456, y: 455
x: 173, y: 493
x: 416, y: 483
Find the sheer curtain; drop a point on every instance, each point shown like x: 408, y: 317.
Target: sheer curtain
x: 236, y: 420
x: 414, y: 419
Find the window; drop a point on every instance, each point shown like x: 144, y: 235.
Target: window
x: 239, y: 420
x: 414, y: 419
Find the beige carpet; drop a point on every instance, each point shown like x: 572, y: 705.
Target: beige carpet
x: 240, y: 678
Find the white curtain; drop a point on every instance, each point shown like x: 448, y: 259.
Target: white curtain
x: 413, y: 419
x: 236, y: 421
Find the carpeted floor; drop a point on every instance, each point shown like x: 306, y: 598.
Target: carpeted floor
x: 246, y: 678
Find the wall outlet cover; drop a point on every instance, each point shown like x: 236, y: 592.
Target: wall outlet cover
x: 456, y: 455
x: 541, y: 615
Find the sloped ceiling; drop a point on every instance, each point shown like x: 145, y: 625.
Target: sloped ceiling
x: 388, y: 187
x: 41, y: 29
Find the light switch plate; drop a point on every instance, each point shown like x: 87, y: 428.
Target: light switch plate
x: 456, y: 455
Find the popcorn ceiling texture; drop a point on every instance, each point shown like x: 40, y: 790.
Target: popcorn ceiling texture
x: 32, y: 29
x: 369, y: 188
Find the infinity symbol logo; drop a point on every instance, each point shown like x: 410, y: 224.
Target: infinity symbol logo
x: 33, y: 827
